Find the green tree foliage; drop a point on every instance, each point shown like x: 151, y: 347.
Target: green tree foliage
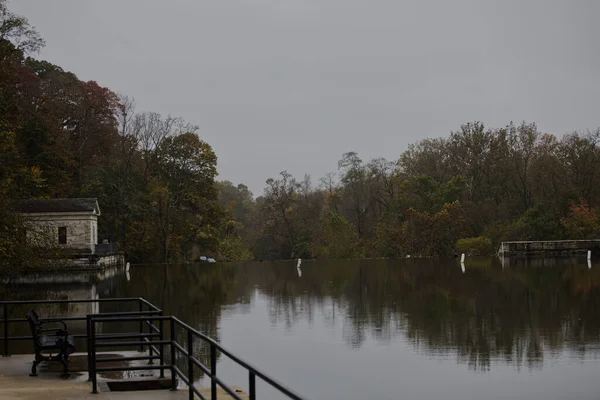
x: 538, y: 224
x: 288, y: 212
x: 237, y: 232
x: 338, y: 240
x: 185, y: 196
x: 232, y: 247
x: 477, y: 246
x: 423, y: 234
x: 15, y: 254
x: 510, y: 183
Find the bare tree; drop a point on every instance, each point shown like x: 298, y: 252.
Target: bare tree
x: 154, y: 129
x: 17, y: 30
x: 331, y: 187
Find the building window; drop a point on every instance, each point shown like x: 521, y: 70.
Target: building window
x: 62, y: 235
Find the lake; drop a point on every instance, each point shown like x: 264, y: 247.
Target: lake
x: 386, y: 329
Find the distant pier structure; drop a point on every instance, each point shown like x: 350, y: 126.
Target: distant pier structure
x: 550, y: 248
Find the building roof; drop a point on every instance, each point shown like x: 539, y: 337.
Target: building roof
x: 56, y: 206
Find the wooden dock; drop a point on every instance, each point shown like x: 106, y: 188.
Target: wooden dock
x: 553, y: 248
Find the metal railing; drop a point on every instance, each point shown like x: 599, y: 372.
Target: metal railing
x: 146, y: 316
x: 6, y: 307
x: 176, y: 349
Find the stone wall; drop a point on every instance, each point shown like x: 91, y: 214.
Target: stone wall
x: 82, y: 230
x: 89, y: 261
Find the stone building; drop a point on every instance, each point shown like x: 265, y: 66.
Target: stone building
x: 62, y: 223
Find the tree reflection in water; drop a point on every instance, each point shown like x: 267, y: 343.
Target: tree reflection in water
x: 518, y: 313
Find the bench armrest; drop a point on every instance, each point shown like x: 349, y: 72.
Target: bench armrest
x: 57, y: 331
x: 43, y: 322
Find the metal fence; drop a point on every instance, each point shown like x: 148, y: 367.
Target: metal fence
x: 151, y: 335
x: 142, y: 306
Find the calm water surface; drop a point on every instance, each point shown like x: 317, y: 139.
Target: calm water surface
x: 382, y: 329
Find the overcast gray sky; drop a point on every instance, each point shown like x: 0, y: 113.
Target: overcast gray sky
x: 293, y: 84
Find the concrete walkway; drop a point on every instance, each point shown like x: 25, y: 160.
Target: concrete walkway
x: 15, y: 383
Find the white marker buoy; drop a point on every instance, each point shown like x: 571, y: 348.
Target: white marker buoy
x: 589, y: 255
x: 462, y: 258
x: 299, y: 263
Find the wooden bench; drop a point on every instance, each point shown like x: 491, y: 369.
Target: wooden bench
x: 49, y: 341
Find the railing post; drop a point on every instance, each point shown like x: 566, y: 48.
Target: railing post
x: 190, y: 343
x: 150, y: 324
x: 93, y: 364
x: 213, y: 372
x: 150, y: 332
x: 252, y: 384
x: 141, y: 326
x: 88, y: 336
x: 5, y: 354
x: 161, y: 347
x: 173, y: 354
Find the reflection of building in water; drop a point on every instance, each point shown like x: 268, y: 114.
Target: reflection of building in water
x: 60, y: 286
x: 73, y: 309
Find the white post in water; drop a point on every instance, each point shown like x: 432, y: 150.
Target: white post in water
x: 462, y: 258
x: 589, y: 255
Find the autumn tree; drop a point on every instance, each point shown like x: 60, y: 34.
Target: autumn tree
x: 424, y: 234
x: 582, y: 222
x: 17, y: 179
x: 184, y: 192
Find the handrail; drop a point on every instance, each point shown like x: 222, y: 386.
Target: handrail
x: 147, y: 317
x: 177, y: 348
x: 143, y: 300
x: 59, y: 301
x: 5, y: 321
x: 239, y: 361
